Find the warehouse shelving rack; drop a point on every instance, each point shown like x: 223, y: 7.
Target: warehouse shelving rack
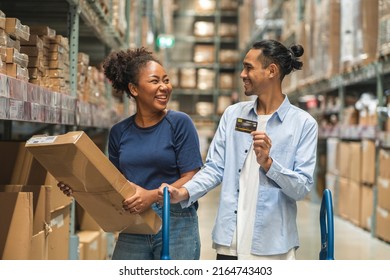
x: 182, y: 56
x: 373, y: 77
x: 88, y: 26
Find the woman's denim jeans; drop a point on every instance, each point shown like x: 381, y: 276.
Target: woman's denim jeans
x: 184, y: 240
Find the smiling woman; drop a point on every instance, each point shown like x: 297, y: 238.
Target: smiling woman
x: 154, y: 146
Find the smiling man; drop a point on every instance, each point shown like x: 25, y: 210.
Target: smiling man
x: 264, y: 154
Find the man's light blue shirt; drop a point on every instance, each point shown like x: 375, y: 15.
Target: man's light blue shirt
x: 293, y: 133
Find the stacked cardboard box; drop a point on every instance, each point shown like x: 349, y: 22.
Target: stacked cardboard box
x: 359, y: 33
x: 13, y: 58
x: 384, y: 28
x: 35, y: 210
x: 383, y: 205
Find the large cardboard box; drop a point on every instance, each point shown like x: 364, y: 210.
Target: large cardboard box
x: 41, y: 195
x: 16, y: 225
x: 39, y: 246
x: 368, y: 161
x: 92, y: 244
x: 384, y: 193
x: 367, y: 207
x: 97, y: 184
x: 58, y: 239
x: 383, y: 223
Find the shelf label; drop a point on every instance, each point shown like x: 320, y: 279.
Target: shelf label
x: 42, y: 140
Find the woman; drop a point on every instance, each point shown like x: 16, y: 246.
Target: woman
x: 151, y: 147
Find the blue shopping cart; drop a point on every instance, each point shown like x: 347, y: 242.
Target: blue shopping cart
x: 327, y: 226
x: 165, y: 226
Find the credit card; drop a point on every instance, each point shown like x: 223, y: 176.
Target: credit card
x: 244, y: 125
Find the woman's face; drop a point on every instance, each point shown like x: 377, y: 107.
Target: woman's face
x: 154, y: 88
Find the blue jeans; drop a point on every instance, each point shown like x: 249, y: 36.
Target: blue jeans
x: 184, y: 240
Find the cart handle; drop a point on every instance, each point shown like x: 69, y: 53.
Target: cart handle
x: 327, y: 226
x: 165, y: 226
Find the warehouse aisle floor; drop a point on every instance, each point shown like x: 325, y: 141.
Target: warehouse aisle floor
x: 351, y: 242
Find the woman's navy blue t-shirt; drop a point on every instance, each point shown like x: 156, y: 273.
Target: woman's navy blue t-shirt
x: 158, y: 154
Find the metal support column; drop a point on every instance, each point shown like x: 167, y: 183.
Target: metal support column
x: 379, y: 94
x: 73, y: 25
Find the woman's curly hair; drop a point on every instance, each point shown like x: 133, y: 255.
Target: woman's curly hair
x: 123, y: 67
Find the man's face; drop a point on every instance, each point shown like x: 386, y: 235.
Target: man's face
x: 254, y: 75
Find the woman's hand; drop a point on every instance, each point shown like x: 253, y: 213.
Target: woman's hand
x: 140, y: 201
x: 66, y: 189
x: 176, y: 194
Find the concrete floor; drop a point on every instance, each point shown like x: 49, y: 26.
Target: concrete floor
x: 351, y: 242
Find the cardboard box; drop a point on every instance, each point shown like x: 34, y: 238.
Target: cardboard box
x: 16, y: 225
x: 383, y: 185
x: 97, y: 185
x: 84, y: 220
x: 368, y: 161
x: 57, y: 198
x: 39, y: 246
x: 58, y: 239
x: 367, y: 207
x: 343, y: 203
x: 92, y: 244
x: 383, y: 223
x: 41, y: 195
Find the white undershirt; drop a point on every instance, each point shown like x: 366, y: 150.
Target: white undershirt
x: 247, y: 202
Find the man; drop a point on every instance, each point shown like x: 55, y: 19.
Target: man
x: 264, y: 154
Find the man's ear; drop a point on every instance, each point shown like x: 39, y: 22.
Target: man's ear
x: 273, y: 70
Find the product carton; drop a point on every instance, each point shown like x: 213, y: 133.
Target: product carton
x: 97, y: 184
x: 16, y: 225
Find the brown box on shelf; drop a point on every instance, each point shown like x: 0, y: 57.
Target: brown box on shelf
x: 32, y: 50
x: 384, y: 193
x: 228, y: 56
x: 188, y: 78
x: 204, y: 29
x: 16, y: 225
x: 354, y: 161
x: 226, y: 80
x: 205, y: 6
x: 43, y: 30
x: 383, y: 223
x: 343, y: 202
x: 354, y: 197
x: 14, y: 56
x: 33, y: 41
x: 91, y: 240
x: 343, y: 159
x: 97, y: 185
x: 15, y: 28
x: 223, y: 103
x: 227, y: 30
x: 368, y: 161
x: 62, y: 41
x: 367, y: 205
x: 206, y: 78
x: 384, y: 163
x: 16, y: 71
x: 57, y: 64
x: 204, y: 53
